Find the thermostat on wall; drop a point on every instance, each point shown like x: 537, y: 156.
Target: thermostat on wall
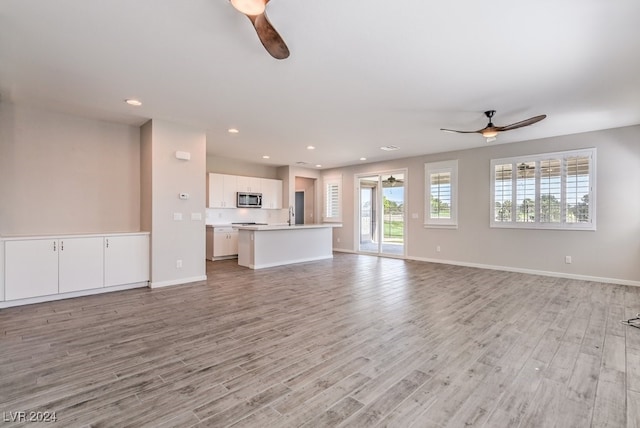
x: 184, y: 196
x: 183, y: 155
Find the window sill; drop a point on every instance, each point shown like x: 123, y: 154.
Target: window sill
x: 440, y: 226
x: 586, y: 228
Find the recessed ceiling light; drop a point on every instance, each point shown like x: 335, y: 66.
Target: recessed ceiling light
x: 310, y: 147
x: 133, y: 102
x: 363, y: 159
x: 265, y: 157
x: 318, y: 166
x: 389, y: 148
x: 232, y: 131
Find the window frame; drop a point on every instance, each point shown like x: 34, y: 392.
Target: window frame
x: 327, y: 181
x: 537, y: 223
x: 431, y: 168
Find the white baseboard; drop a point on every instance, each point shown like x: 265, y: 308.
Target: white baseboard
x: 343, y: 250
x: 52, y: 297
x: 531, y: 271
x: 178, y: 281
x: 288, y: 262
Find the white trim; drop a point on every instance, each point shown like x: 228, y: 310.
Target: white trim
x: 81, y: 293
x: 530, y: 271
x: 356, y: 211
x: 591, y: 153
x: 333, y: 180
x: 344, y: 250
x: 451, y: 167
x: 178, y: 281
x: 289, y: 262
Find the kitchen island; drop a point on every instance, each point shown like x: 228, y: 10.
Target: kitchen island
x: 275, y: 245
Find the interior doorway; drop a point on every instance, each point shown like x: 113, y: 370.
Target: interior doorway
x: 299, y: 208
x: 381, y: 213
x: 304, y: 202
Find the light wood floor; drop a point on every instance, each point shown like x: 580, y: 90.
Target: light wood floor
x: 356, y: 341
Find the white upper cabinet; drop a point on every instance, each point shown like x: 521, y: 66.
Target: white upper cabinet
x: 271, y: 193
x: 222, y: 191
x: 249, y: 184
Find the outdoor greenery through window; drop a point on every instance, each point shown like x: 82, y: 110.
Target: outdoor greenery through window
x: 441, y: 198
x: 551, y: 190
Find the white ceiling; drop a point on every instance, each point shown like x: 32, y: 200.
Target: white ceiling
x: 362, y: 74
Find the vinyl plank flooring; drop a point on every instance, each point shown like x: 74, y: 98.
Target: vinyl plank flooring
x: 352, y: 341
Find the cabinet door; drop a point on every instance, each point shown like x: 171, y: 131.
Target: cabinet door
x: 249, y: 184
x: 209, y: 241
x: 126, y: 259
x: 31, y: 268
x: 81, y: 264
x: 233, y: 243
x: 216, y: 191
x: 219, y: 243
x: 230, y: 188
x: 271, y: 193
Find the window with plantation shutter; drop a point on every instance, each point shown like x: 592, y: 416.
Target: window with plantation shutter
x: 333, y: 199
x: 441, y: 203
x: 548, y: 191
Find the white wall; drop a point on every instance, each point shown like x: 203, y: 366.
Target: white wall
x: 63, y: 174
x: 173, y: 240
x: 612, y: 252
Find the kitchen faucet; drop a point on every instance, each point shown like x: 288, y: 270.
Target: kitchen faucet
x: 291, y: 216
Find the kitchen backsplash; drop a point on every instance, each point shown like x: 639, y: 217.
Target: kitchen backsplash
x: 235, y: 215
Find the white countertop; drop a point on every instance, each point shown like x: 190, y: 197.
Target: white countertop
x: 286, y: 226
x: 70, y: 235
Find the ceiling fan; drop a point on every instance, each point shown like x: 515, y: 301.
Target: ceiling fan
x: 491, y: 131
x: 392, y: 181
x: 271, y: 40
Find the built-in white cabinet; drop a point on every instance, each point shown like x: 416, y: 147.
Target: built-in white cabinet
x: 249, y: 184
x: 271, y: 193
x: 222, y: 191
x: 39, y: 267
x: 80, y: 264
x: 225, y: 242
x: 31, y: 268
x: 126, y: 259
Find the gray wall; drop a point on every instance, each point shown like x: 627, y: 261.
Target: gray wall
x: 611, y: 252
x: 237, y: 167
x: 173, y: 240
x: 65, y: 174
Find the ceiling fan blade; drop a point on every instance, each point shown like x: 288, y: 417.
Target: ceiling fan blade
x: 460, y: 132
x: 269, y: 37
x: 522, y: 123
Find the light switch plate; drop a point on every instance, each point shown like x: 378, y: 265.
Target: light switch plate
x: 177, y: 216
x: 196, y: 216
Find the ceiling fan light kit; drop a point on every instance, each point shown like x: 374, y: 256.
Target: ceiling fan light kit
x: 490, y: 132
x: 249, y: 7
x: 255, y: 10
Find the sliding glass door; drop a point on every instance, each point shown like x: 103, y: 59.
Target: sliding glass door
x: 381, y: 213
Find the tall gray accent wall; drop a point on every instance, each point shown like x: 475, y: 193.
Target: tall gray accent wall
x: 612, y: 252
x: 166, y: 177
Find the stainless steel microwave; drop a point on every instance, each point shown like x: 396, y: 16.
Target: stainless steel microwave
x: 249, y: 200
